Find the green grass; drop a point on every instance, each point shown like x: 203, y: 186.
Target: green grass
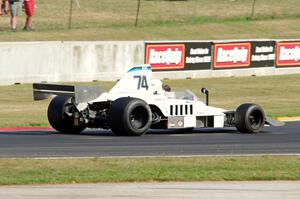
x: 94, y: 170
x: 160, y: 20
x: 279, y: 96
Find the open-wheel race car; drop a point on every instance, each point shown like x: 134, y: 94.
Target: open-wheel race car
x: 138, y: 103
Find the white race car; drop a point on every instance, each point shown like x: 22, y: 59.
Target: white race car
x: 138, y: 103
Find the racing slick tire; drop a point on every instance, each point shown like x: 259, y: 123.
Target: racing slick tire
x: 58, y: 118
x: 249, y: 118
x: 130, y: 117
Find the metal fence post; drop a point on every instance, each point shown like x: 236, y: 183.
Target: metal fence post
x: 253, y: 9
x: 137, y: 13
x: 70, y: 14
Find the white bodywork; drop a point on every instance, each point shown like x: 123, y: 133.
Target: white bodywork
x: 138, y: 102
x: 182, y: 109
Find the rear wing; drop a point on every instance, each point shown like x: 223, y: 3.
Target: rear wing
x: 79, y: 93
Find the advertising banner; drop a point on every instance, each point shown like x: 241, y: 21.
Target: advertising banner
x: 263, y: 53
x: 205, y: 55
x: 288, y: 54
x: 165, y: 56
x: 232, y: 55
x: 179, y: 56
x: 198, y: 56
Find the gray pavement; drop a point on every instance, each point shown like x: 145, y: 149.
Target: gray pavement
x: 173, y: 190
x: 100, y: 143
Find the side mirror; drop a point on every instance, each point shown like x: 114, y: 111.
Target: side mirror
x: 206, y: 92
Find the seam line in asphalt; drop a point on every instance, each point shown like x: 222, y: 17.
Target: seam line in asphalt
x: 169, y: 156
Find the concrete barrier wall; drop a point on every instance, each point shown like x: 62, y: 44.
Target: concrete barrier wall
x: 227, y: 73
x: 28, y: 62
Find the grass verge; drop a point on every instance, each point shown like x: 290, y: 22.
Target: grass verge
x: 94, y: 170
x: 158, y: 20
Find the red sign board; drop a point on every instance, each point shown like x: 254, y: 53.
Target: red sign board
x: 288, y: 54
x: 232, y: 55
x: 165, y: 56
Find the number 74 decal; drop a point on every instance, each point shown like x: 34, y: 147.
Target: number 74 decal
x: 142, y: 82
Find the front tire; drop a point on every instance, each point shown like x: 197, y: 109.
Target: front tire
x: 130, y: 117
x: 249, y: 118
x: 58, y: 118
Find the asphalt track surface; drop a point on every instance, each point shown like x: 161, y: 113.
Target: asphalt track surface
x: 92, y: 143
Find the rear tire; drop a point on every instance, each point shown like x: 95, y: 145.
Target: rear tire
x: 130, y: 117
x: 58, y: 118
x: 249, y: 118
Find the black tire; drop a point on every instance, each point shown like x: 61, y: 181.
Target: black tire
x: 58, y: 119
x: 130, y: 117
x: 249, y: 118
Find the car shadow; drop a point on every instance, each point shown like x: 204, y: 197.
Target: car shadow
x: 192, y: 131
x: 98, y: 132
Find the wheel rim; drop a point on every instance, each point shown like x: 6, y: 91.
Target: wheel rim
x: 255, y: 119
x: 138, y: 118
